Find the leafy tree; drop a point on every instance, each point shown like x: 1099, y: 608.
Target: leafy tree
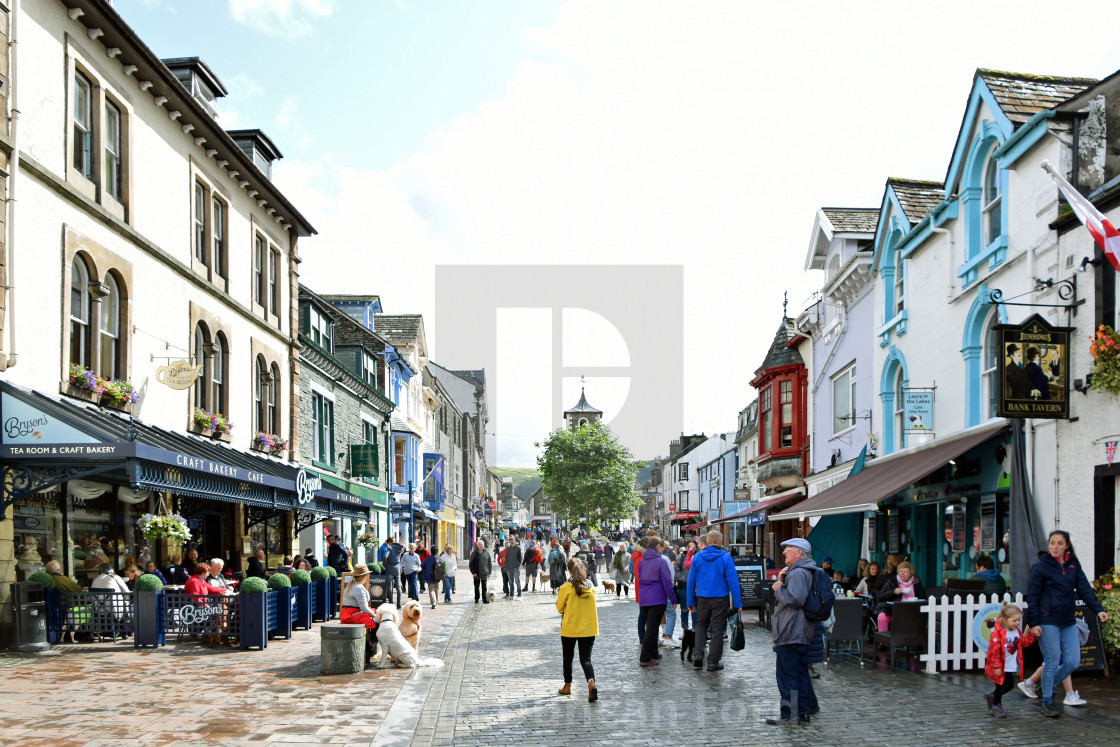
x: 588, y: 472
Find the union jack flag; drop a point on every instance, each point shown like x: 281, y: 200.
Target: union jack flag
x: 1110, y: 450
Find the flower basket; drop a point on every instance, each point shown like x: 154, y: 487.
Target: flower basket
x: 117, y: 391
x: 215, y: 422
x: 1105, y: 349
x: 368, y: 540
x: 157, y: 526
x: 270, y: 442
x: 1107, y: 588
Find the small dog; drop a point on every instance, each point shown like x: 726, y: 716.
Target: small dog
x: 609, y: 586
x: 688, y: 642
x: 394, y: 645
x: 410, y: 623
x: 490, y: 596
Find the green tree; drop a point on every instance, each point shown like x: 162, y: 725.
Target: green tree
x: 588, y: 472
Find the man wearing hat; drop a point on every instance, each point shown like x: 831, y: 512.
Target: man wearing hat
x: 1018, y: 382
x: 793, y: 631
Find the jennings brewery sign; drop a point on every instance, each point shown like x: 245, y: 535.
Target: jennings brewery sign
x: 1033, y: 361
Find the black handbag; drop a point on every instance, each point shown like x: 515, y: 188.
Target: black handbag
x: 738, y: 637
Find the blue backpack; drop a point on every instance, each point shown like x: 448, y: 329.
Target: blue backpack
x: 818, y: 605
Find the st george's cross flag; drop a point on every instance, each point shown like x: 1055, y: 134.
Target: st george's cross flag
x: 1101, y: 228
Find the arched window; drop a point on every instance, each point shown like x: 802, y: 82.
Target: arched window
x: 110, y: 329
x: 274, y: 400
x: 217, y: 373
x: 79, y: 315
x: 993, y: 223
x: 201, y: 340
x: 989, y: 368
x: 899, y: 410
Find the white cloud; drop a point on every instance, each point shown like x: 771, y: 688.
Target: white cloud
x: 285, y: 18
x: 702, y: 134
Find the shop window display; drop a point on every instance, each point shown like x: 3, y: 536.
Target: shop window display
x: 37, y: 533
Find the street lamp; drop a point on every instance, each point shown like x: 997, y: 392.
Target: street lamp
x: 411, y: 518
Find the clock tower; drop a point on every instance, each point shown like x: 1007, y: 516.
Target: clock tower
x: 583, y: 413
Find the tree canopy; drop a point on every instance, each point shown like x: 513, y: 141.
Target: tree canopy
x: 588, y: 472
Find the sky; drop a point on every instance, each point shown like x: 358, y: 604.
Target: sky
x: 699, y: 134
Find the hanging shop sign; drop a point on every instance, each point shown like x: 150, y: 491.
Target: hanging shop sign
x: 892, y: 533
x: 363, y: 460
x: 1034, y: 369
x: 306, y: 485
x: 178, y: 374
x: 756, y: 520
x: 959, y: 536
x: 918, y: 409
x: 987, y: 523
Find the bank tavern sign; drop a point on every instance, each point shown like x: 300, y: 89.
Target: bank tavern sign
x: 1033, y: 361
x: 178, y: 374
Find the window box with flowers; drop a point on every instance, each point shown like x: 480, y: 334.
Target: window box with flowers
x: 269, y: 442
x: 117, y: 393
x: 1105, y: 349
x: 211, y: 424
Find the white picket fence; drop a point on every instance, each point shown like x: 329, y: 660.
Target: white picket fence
x: 949, y: 639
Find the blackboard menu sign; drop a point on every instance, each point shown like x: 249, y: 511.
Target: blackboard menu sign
x: 958, y: 528
x: 987, y: 523
x: 892, y: 533
x: 750, y: 586
x: 1092, y: 653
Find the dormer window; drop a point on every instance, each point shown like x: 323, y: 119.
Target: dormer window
x: 320, y: 329
x: 197, y: 77
x: 257, y: 146
x: 993, y: 224
x: 369, y: 369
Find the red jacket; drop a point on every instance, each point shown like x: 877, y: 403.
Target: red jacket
x: 636, y: 559
x: 197, y: 585
x: 997, y: 648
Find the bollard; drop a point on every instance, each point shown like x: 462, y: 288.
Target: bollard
x: 342, y: 648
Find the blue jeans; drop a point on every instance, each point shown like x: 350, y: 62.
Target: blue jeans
x: 670, y: 620
x: 446, y: 589
x: 793, y: 679
x: 1059, y: 644
x: 413, y: 580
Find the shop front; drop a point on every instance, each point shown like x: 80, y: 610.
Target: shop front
x: 939, y: 505
x: 78, y: 480
x: 756, y: 530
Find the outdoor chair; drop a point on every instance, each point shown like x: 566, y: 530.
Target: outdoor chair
x: 964, y: 586
x: 848, y: 626
x: 908, y: 629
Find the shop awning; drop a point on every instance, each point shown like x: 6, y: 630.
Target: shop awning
x: 697, y: 525
x: 884, y: 477
x: 771, y: 502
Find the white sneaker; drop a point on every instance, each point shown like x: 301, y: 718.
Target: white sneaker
x: 1073, y: 699
x: 1027, y: 688
x: 673, y: 643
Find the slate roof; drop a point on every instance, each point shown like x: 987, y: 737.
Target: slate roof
x: 400, y: 425
x: 476, y: 376
x: 1021, y: 95
x: 398, y: 329
x: 583, y: 406
x: 779, y: 354
x: 917, y: 197
x: 855, y: 220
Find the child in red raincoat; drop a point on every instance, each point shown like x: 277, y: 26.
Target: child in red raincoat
x: 1005, y: 656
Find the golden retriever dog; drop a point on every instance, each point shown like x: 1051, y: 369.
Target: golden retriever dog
x: 608, y: 585
x: 410, y: 623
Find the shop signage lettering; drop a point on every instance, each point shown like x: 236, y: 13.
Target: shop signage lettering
x: 1034, y: 369
x: 27, y: 424
x: 217, y: 468
x: 15, y: 427
x: 69, y: 450
x: 306, y: 485
x: 918, y: 409
x: 191, y: 615
x: 178, y: 374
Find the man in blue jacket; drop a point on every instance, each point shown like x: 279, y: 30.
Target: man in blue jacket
x: 710, y: 580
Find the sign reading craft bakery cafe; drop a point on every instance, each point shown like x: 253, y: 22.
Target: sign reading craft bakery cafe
x: 1033, y: 361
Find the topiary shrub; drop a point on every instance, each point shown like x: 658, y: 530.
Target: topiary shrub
x: 44, y: 578
x: 278, y: 581
x: 376, y: 568
x: 254, y: 585
x: 300, y: 577
x: 320, y: 573
x: 330, y: 570
x: 149, y: 582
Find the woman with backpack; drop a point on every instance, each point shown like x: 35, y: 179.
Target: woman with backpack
x: 619, y: 572
x: 532, y: 566
x: 428, y: 574
x: 557, y: 561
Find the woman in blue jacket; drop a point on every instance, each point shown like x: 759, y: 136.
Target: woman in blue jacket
x: 1055, y: 584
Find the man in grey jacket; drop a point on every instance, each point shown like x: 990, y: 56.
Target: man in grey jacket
x: 793, y: 631
x: 513, y: 566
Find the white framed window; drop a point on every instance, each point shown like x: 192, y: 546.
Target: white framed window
x: 201, y: 395
x: 900, y: 286
x: 320, y: 329
x: 899, y: 410
x: 110, y: 342
x: 786, y: 392
x: 369, y: 369
x: 682, y: 471
x: 258, y: 270
x: 273, y: 412
x: 83, y: 125
x: 993, y: 219
x: 274, y: 282
x: 112, y: 141
x: 989, y: 368
x: 844, y: 400
x: 218, y: 223
x: 201, y: 236
x: 79, y: 314
x: 216, y: 372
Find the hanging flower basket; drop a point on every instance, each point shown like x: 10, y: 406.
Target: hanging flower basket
x: 157, y: 526
x: 368, y: 540
x: 1105, y: 349
x: 269, y: 442
x: 116, y: 391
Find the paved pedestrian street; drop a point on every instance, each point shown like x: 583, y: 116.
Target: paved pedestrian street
x: 498, y: 686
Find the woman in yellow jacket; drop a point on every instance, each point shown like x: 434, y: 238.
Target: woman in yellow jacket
x: 579, y: 625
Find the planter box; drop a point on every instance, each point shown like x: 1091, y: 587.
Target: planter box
x: 320, y: 601
x: 334, y: 585
x: 151, y: 617
x: 254, y: 620
x: 301, y: 612
x: 281, y: 626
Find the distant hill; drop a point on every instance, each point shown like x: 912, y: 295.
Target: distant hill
x: 525, y: 480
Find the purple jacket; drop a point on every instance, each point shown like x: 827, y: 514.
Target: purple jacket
x: 655, y: 580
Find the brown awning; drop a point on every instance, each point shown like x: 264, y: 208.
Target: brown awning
x: 883, y: 478
x: 772, y: 501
